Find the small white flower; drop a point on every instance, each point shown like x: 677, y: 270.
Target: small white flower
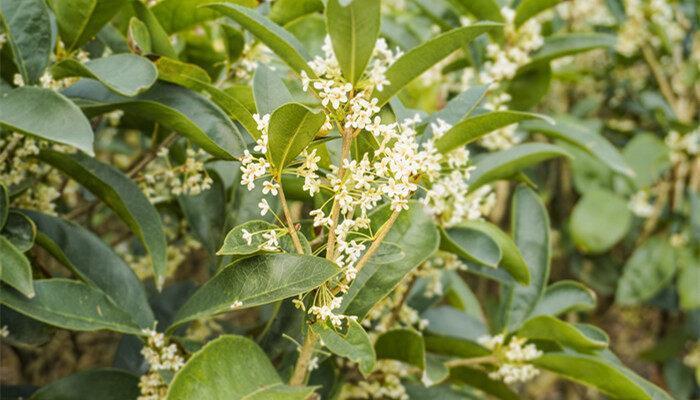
x: 270, y: 187
x: 236, y: 304
x: 264, y: 207
x: 247, y: 236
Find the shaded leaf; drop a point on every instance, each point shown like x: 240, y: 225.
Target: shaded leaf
x: 229, y: 368
x: 353, y: 344
x: 61, y: 121
x: 15, y: 269
x: 70, y: 305
x: 173, y: 107
x: 103, y: 384
x: 292, y: 128
x: 160, y: 43
x: 27, y: 27
x: 178, y: 15
x: 353, y: 29
x: 20, y: 231
x: 599, y: 220
x: 269, y: 90
x: 236, y: 245
x: 125, y: 74
x: 567, y: 44
x: 254, y: 281
x: 564, y: 296
x: 407, y: 345
x: 546, y: 327
x: 527, y: 9
x: 120, y: 194
x: 80, y: 20
x: 472, y: 244
x: 651, y: 267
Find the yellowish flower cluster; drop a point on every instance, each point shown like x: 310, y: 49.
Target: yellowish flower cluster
x: 160, y: 356
x: 512, y: 357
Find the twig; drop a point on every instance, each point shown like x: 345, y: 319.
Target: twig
x: 335, y: 210
x: 150, y: 155
x: 290, y: 223
x: 302, y: 365
x: 465, y: 362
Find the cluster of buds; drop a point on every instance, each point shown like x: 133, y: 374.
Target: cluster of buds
x: 160, y: 356
x: 161, y: 180
x: 512, y: 357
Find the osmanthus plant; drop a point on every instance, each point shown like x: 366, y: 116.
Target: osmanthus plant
x: 335, y: 226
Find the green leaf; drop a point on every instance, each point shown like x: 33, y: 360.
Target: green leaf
x: 280, y: 41
x: 480, y: 380
x: 475, y: 127
x: 20, y: 231
x: 564, y: 296
x: 546, y: 327
x: 284, y: 11
x: 353, y: 344
x: 24, y: 331
x: 79, y: 20
x: 529, y: 85
x: 120, y: 194
x: 71, y: 305
x: 450, y: 322
x: 649, y: 158
x: 173, y: 107
x: 599, y: 220
x: 61, y: 121
x: 160, y: 43
x: 417, y: 236
x: 567, y: 44
x: 407, y: 345
x: 527, y: 9
x: 482, y: 9
x: 269, y: 90
x: 193, y: 77
x: 178, y: 15
x: 421, y: 58
x: 253, y: 281
x: 206, y: 213
x: 14, y: 268
x: 230, y: 368
x: 353, y: 29
x: 102, y: 383
x: 511, y: 260
x: 506, y: 163
x: 688, y: 277
x: 27, y: 27
x: 235, y: 245
x: 4, y: 205
x: 292, y: 128
x: 125, y: 74
x: 471, y: 244
x: 574, y: 132
x: 530, y: 225
x: 139, y: 37
x: 592, y: 371
x: 77, y: 248
x: 651, y: 267
x: 460, y: 106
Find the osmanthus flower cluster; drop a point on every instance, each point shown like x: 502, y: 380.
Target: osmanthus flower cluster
x: 511, y: 358
x: 162, y: 180
x: 161, y: 358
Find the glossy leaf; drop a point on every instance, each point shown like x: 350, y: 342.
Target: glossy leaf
x: 160, y: 43
x: 407, y: 345
x: 417, y: 236
x: 61, y: 121
x: 269, y: 90
x: 79, y: 20
x: 592, y: 371
x: 450, y: 322
x: 120, y: 194
x: 527, y: 9
x: 648, y: 156
x: 530, y: 225
x: 421, y: 58
x: 194, y: 77
x: 529, y: 85
x: 139, y: 37
x: 173, y: 107
x: 254, y: 281
x: 599, y: 220
x: 511, y: 260
x: 353, y: 29
x: 286, y: 11
x: 546, y: 327
x: 482, y: 9
x: 125, y: 74
x: 564, y: 296
x: 353, y: 344
x: 103, y: 383
x: 475, y: 127
x: 460, y: 106
x: 280, y: 41
x: 178, y: 15
x: 230, y: 368
x: 205, y: 213
x: 78, y: 249
x: 71, y: 305
x: 651, y: 267
x: 472, y: 244
x: 27, y: 27
x: 4, y: 205
x: 563, y: 45
x: 572, y: 131
x: 236, y: 245
x: 15, y: 269
x: 19, y: 230
x: 506, y: 163
x: 292, y: 128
